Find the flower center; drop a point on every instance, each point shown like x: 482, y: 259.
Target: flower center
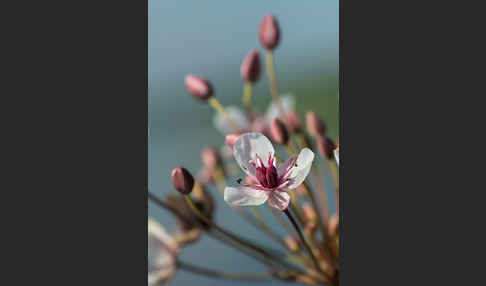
x: 266, y: 176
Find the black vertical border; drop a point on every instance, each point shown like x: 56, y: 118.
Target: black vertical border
x: 76, y: 143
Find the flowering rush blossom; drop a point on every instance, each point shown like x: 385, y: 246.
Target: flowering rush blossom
x: 254, y: 153
x: 162, y: 251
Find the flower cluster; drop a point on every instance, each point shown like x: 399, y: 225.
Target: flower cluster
x: 292, y: 188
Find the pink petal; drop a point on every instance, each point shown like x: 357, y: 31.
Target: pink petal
x: 279, y: 200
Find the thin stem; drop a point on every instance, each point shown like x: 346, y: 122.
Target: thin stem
x: 308, y: 248
x: 220, y: 108
x: 257, y: 222
x: 273, y: 83
x: 233, y: 237
x: 164, y: 205
x: 335, y: 177
x: 247, y: 94
x: 218, y: 274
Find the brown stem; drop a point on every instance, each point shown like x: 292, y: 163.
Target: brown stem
x: 301, y: 236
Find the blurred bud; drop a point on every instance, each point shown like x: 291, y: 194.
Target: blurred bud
x: 205, y: 175
x: 291, y: 243
x: 333, y: 225
x: 309, y: 212
x: 325, y: 146
x: 310, y: 228
x: 250, y: 67
x: 301, y: 190
x: 315, y: 126
x: 269, y: 32
x: 231, y: 139
x: 182, y: 180
x: 226, y: 152
x: 279, y: 132
x: 293, y: 122
x: 198, y: 87
x: 210, y: 157
x: 259, y: 125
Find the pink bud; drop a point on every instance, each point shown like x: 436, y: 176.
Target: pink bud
x: 291, y: 243
x: 210, y: 157
x: 325, y: 146
x: 250, y: 67
x: 279, y: 132
x: 259, y: 125
x: 205, y: 175
x: 333, y: 225
x: 269, y: 32
x: 308, y: 212
x: 231, y: 139
x: 182, y: 180
x: 315, y: 126
x: 198, y: 87
x: 293, y: 122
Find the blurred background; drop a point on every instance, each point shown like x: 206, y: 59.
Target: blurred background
x: 210, y: 38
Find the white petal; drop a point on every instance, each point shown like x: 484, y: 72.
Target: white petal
x: 288, y: 104
x: 336, y: 155
x: 158, y: 243
x: 161, y: 275
x: 244, y: 196
x: 304, y: 164
x: 279, y: 200
x: 248, y: 146
x: 158, y: 232
x: 236, y: 114
x: 281, y: 168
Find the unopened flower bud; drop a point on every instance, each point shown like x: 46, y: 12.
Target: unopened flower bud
x: 210, y: 157
x: 259, y: 125
x: 205, y: 175
x: 182, y: 180
x: 333, y: 225
x: 291, y: 243
x: 301, y: 190
x: 250, y: 67
x: 293, y: 122
x: 279, y: 132
x: 231, y: 139
x: 269, y: 32
x: 325, y: 146
x: 308, y: 212
x: 198, y: 87
x: 315, y: 126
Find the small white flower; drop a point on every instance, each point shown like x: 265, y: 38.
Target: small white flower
x: 254, y: 153
x: 288, y: 105
x: 162, y: 251
x: 236, y: 114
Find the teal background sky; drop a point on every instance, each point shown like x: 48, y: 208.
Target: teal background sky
x: 210, y: 38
